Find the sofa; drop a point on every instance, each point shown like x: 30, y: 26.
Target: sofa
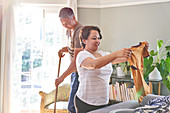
x: 126, y: 106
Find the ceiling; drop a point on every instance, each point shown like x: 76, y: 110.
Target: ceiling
x: 114, y: 3
x: 96, y: 3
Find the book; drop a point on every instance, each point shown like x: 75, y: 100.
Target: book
x: 122, y: 92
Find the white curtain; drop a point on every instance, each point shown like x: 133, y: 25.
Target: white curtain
x: 7, y: 47
x: 73, y: 4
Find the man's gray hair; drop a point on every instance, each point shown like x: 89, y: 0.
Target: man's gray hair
x: 66, y: 12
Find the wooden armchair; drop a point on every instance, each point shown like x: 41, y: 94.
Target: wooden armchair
x: 47, y: 100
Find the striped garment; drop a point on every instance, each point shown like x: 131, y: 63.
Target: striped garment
x: 94, y: 83
x: 157, y: 105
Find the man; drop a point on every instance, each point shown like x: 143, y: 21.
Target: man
x: 73, y: 27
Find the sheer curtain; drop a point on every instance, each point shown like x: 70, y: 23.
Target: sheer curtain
x: 73, y: 4
x: 7, y: 47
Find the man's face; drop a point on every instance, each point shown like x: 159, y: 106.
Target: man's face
x: 67, y: 23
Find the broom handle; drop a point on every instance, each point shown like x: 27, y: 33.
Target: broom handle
x: 57, y: 86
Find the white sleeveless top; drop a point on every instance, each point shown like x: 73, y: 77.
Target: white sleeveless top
x: 94, y: 83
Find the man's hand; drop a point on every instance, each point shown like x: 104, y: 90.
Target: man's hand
x: 58, y: 81
x: 61, y: 52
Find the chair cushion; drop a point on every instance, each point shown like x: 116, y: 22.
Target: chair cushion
x: 63, y: 92
x: 122, y: 111
x: 123, y: 105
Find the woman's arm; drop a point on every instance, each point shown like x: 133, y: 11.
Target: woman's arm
x: 119, y: 60
x: 90, y: 63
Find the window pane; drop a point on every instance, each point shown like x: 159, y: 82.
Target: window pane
x: 36, y: 59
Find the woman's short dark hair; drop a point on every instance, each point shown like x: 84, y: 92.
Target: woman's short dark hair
x: 66, y: 12
x: 85, y: 32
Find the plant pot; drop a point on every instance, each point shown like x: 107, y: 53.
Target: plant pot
x: 155, y: 75
x: 120, y: 73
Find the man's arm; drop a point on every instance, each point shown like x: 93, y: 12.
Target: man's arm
x: 70, y: 69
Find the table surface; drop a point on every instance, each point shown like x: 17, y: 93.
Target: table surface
x: 128, y: 78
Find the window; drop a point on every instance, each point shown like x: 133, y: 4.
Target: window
x: 39, y: 37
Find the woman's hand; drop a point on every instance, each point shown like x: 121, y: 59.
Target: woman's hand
x: 147, y: 45
x: 125, y: 52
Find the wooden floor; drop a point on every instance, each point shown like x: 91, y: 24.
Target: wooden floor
x: 47, y: 111
x: 30, y: 111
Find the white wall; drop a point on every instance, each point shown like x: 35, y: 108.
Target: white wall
x: 59, y: 2
x: 89, y: 16
x: 123, y: 22
x: 126, y: 26
x: 0, y: 30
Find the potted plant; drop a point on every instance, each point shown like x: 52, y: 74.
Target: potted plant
x: 159, y: 60
x: 121, y: 68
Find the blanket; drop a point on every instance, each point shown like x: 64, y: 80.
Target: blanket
x: 157, y: 105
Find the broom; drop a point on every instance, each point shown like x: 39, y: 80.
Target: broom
x: 57, y: 86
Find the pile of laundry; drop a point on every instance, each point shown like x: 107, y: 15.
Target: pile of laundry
x: 157, y: 105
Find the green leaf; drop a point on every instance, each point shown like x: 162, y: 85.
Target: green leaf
x: 148, y: 61
x: 159, y: 44
x: 166, y: 82
x: 168, y: 78
x: 167, y: 48
x: 152, y: 53
x: 147, y: 71
x: 150, y: 69
x: 145, y: 63
x: 158, y: 66
x: 161, y: 68
x: 167, y: 64
x: 156, y: 53
x: 168, y: 54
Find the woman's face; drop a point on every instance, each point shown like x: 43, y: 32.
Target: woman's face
x: 93, y: 41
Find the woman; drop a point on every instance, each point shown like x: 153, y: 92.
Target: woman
x: 94, y: 69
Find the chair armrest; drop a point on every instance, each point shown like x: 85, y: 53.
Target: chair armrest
x: 49, y: 98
